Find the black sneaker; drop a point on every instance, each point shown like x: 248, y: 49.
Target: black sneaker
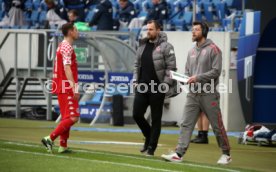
x: 201, y: 140
x: 144, y: 149
x: 145, y: 146
x: 150, y: 151
x: 196, y: 137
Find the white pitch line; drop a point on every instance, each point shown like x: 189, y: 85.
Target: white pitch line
x: 89, y: 160
x: 106, y: 142
x: 78, y: 150
x: 145, y: 159
x: 254, y: 151
x: 156, y: 160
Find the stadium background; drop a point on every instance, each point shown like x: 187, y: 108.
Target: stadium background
x: 33, y: 54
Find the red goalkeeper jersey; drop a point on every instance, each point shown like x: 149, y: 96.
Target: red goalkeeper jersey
x: 65, y: 55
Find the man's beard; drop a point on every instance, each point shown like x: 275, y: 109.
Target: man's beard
x: 197, y: 39
x: 152, y: 38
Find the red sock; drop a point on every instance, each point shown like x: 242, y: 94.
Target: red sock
x: 63, y: 138
x: 63, y: 126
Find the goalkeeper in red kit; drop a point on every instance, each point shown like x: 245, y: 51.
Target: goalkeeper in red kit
x: 65, y: 85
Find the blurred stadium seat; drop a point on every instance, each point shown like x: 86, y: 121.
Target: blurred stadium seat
x: 89, y: 16
x: 180, y: 12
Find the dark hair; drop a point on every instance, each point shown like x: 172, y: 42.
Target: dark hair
x: 156, y: 24
x: 66, y: 27
x: 49, y: 2
x: 204, y: 26
x: 74, y: 12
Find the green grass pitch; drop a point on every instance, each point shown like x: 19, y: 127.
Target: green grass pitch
x: 20, y: 150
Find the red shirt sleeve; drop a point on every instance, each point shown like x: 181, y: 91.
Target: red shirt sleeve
x: 66, y: 52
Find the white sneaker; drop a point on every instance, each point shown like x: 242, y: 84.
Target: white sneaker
x: 224, y: 159
x: 173, y: 157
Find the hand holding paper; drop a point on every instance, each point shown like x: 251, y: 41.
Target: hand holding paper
x: 179, y: 77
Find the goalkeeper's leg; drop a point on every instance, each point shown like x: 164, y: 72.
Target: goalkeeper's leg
x: 63, y: 148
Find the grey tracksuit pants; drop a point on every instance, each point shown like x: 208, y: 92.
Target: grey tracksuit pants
x: 209, y: 104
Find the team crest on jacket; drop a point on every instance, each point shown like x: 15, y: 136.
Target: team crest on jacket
x: 158, y: 48
x: 203, y: 52
x: 193, y: 54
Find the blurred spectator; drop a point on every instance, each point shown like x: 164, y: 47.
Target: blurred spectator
x: 54, y: 15
x: 158, y: 12
x: 13, y: 13
x: 73, y: 16
x: 89, y: 3
x: 126, y: 12
x: 78, y: 5
x: 102, y: 17
x: 7, y: 5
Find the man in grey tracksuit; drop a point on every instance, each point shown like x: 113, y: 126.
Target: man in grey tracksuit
x: 155, y: 58
x: 203, y: 66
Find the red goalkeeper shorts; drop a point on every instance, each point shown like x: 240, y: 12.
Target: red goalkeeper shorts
x: 68, y: 106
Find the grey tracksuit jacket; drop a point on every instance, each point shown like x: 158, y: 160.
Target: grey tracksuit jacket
x: 205, y: 62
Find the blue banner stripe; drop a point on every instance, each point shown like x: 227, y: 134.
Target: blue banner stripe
x: 257, y: 21
x: 248, y: 46
x: 98, y: 77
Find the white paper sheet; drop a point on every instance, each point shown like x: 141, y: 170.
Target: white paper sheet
x: 179, y: 77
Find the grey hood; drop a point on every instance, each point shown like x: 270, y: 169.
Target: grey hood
x: 205, y: 44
